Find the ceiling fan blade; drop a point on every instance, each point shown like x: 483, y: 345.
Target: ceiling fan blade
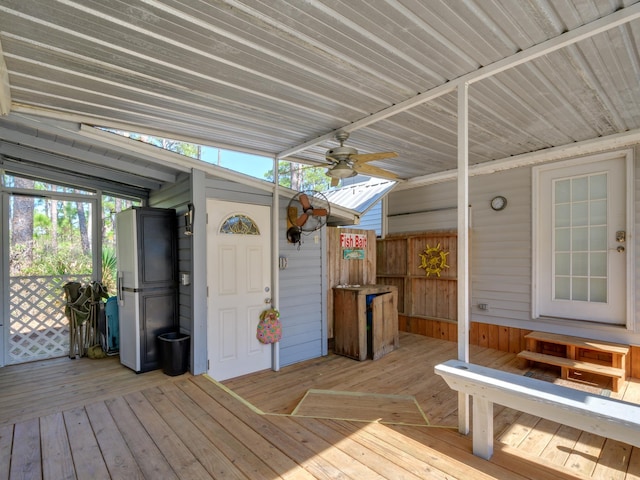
x: 375, y: 172
x: 370, y: 157
x: 319, y: 212
x: 304, y: 201
x: 302, y: 219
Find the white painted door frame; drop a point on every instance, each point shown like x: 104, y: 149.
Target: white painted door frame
x: 618, y: 307
x: 239, y: 280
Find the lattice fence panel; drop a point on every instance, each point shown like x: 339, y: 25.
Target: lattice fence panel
x: 38, y: 328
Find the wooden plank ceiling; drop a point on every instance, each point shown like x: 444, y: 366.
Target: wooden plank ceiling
x: 279, y: 77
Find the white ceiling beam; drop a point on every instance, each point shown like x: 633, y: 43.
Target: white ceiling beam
x: 5, y: 87
x: 596, y: 145
x: 373, y: 118
x: 583, y: 32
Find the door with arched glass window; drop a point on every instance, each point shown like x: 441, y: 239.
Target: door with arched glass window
x: 239, y: 283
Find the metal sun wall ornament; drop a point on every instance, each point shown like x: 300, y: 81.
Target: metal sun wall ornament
x: 433, y: 260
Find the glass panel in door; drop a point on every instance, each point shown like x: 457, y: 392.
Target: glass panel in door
x: 580, y: 238
x: 581, y: 257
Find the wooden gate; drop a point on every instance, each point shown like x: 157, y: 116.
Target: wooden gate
x: 423, y: 266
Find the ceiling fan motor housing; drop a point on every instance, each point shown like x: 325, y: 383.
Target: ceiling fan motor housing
x: 339, y: 152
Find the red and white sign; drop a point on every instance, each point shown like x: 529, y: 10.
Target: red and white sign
x: 353, y: 240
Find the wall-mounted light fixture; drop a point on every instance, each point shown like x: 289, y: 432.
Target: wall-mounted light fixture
x: 188, y: 220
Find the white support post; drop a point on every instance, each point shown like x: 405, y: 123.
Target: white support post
x: 275, y: 256
x: 463, y: 246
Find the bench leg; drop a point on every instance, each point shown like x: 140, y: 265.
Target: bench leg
x: 482, y: 428
x: 616, y: 384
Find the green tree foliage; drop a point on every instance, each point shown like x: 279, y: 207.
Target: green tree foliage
x: 301, y: 177
x: 183, y: 148
x: 59, y: 233
x: 109, y: 269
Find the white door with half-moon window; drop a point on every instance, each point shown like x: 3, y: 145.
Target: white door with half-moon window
x: 239, y: 285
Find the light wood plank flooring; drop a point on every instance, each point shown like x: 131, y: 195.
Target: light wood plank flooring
x: 96, y: 419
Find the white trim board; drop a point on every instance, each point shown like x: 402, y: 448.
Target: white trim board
x: 578, y: 149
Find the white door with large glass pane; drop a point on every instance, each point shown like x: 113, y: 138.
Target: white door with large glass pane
x: 581, y: 241
x: 239, y: 284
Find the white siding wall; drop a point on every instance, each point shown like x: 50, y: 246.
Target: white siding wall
x: 501, y: 246
x: 501, y: 243
x: 420, y: 209
x: 302, y: 304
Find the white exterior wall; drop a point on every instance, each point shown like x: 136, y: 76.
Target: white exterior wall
x: 302, y: 300
x: 302, y: 305
x: 501, y: 247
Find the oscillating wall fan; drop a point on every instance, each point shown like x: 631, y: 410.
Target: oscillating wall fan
x: 307, y: 211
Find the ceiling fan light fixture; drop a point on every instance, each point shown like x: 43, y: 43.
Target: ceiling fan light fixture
x: 341, y: 170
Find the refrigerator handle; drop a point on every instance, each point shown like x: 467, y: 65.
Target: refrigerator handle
x: 120, y: 289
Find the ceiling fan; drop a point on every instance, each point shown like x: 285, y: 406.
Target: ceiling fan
x: 348, y: 162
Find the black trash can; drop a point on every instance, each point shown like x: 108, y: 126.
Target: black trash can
x: 174, y: 353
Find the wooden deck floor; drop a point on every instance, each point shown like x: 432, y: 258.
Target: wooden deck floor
x: 95, y: 419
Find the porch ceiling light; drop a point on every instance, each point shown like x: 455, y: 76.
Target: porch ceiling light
x: 341, y: 170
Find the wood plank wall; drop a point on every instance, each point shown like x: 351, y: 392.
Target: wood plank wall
x: 506, y: 339
x: 498, y: 337
x: 347, y: 272
x: 428, y: 305
x: 420, y: 295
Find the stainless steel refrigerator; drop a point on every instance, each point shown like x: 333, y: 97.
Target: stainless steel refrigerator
x: 146, y: 250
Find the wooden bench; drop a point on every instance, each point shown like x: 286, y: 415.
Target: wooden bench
x: 592, y: 413
x: 580, y: 354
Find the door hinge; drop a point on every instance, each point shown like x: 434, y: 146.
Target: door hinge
x: 207, y: 290
x: 208, y: 367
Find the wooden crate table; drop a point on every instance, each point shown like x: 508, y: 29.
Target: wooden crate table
x: 578, y: 354
x: 356, y: 337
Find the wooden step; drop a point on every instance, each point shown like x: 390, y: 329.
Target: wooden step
x: 586, y: 343
x: 573, y: 364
